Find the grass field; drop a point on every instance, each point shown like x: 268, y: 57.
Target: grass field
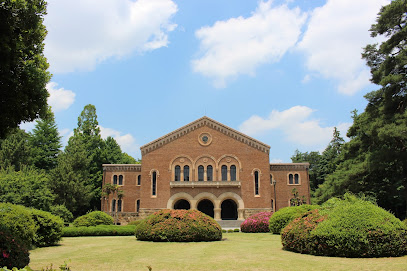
x: 238, y: 251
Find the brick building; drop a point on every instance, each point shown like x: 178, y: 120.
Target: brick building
x: 208, y: 166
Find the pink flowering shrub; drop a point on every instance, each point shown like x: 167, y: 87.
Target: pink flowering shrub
x: 13, y: 252
x: 256, y: 223
x: 178, y: 226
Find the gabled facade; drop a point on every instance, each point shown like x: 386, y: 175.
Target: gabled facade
x: 208, y: 166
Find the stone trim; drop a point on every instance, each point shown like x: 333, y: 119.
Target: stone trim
x: 204, y: 121
x: 217, y: 184
x: 122, y: 167
x: 289, y: 167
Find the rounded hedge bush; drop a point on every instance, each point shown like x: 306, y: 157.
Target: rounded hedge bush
x: 285, y: 215
x: 178, y: 226
x: 18, y: 221
x: 257, y: 223
x: 349, y: 228
x: 62, y: 212
x: 13, y: 251
x: 49, y: 228
x: 93, y: 219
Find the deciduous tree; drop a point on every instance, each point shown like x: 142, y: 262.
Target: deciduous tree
x: 23, y: 67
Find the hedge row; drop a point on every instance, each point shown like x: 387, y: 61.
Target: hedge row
x: 101, y: 230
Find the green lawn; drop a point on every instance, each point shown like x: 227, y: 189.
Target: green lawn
x: 238, y: 251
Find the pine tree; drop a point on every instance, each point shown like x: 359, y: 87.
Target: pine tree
x: 45, y: 142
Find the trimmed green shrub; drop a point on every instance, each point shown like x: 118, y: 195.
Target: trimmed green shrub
x: 62, y: 212
x: 13, y: 251
x: 256, y: 223
x: 179, y: 226
x: 348, y: 228
x: 93, y: 219
x: 49, y: 230
x: 282, y: 217
x: 19, y: 222
x: 101, y: 230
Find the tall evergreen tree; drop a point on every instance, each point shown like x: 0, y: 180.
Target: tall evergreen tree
x: 87, y: 137
x: 375, y: 160
x: 15, y: 150
x: 45, y: 142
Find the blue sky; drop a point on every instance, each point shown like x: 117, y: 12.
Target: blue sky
x: 283, y: 72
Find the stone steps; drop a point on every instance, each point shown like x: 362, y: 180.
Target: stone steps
x: 230, y: 224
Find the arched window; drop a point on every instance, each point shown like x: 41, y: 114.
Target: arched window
x: 119, y: 205
x: 290, y: 179
x: 139, y: 180
x: 186, y: 173
x: 256, y: 183
x: 296, y: 179
x: 200, y: 173
x: 271, y: 179
x: 224, y: 171
x: 114, y: 179
x: 154, y: 184
x: 177, y: 176
x: 272, y: 205
x: 209, y: 173
x: 233, y: 173
x: 120, y: 179
x: 138, y: 206
x: 113, y: 205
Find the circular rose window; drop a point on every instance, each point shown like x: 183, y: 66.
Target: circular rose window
x: 205, y: 139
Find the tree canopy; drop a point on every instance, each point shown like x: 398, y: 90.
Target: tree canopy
x: 374, y: 161
x: 23, y: 67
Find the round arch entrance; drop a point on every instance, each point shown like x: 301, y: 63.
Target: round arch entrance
x: 206, y: 207
x: 182, y: 204
x: 228, y: 210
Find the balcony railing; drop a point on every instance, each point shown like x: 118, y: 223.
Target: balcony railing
x: 196, y: 184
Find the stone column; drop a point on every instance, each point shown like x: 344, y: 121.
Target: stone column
x: 240, y: 214
x: 217, y: 215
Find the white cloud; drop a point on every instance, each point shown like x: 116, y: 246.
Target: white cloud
x: 333, y: 42
x: 59, y: 98
x: 28, y: 126
x: 239, y: 45
x: 296, y: 125
x: 83, y: 33
x: 127, y: 142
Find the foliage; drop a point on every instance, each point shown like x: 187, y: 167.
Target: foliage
x: 15, y: 150
x: 347, y: 228
x: 23, y: 67
x: 93, y: 219
x: 68, y: 181
x: 28, y: 187
x: 374, y: 160
x: 282, y: 217
x: 321, y: 164
x: 296, y: 200
x: 45, y: 142
x: 18, y: 220
x: 100, y: 230
x: 13, y: 252
x: 256, y: 223
x: 49, y: 228
x: 179, y: 226
x: 62, y: 212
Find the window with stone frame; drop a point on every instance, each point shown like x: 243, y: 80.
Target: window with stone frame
x: 177, y: 173
x: 200, y: 173
x: 224, y: 173
x: 209, y: 173
x: 186, y: 173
